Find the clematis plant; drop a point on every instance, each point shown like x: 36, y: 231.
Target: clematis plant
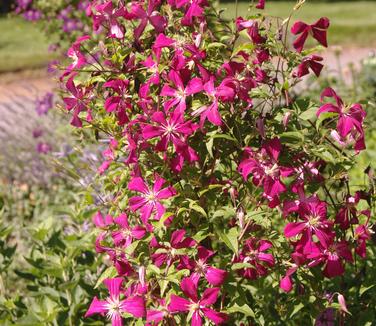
x: 218, y: 178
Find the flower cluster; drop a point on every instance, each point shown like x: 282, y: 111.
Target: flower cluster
x: 204, y: 136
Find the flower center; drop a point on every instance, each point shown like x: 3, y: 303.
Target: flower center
x: 272, y: 171
x: 313, y: 220
x: 194, y: 306
x: 200, y: 267
x: 127, y: 233
x: 151, y: 196
x: 113, y: 306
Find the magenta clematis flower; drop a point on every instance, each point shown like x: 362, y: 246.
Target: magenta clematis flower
x: 75, y: 54
x: 254, y: 254
x: 76, y: 102
x: 215, y: 94
x: 314, y: 216
x: 353, y: 139
x: 237, y: 81
x: 347, y: 214
x: 214, y: 276
x: 180, y: 92
x: 350, y: 118
x: 43, y: 148
x: 152, y: 67
x: 286, y: 283
x: 362, y: 235
x: 192, y: 8
x: 264, y: 167
x: 126, y: 234
x: 150, y: 15
x: 311, y: 62
x: 44, y: 104
x: 332, y: 255
x: 113, y: 306
x: 107, y: 14
x: 149, y: 201
x: 120, y: 102
x: 261, y: 4
x: 199, y: 308
x: 172, y: 130
x: 317, y: 30
x: 169, y: 252
x: 156, y: 315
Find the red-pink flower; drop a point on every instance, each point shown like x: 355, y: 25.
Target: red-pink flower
x: 168, y: 252
x: 107, y: 14
x: 362, y: 235
x: 156, y: 315
x: 120, y: 102
x: 171, y: 129
x: 311, y: 62
x: 350, y: 117
x: 286, y: 282
x: 347, y: 214
x: 314, y: 216
x: 332, y: 255
x: 126, y: 234
x: 192, y: 8
x: 317, y: 30
x: 179, y: 92
x: 260, y: 4
x: 150, y: 15
x: 77, y: 102
x: 254, y: 253
x: 74, y: 53
x: 215, y: 94
x: 149, y: 201
x: 199, y: 308
x: 200, y: 267
x: 264, y: 167
x: 113, y: 306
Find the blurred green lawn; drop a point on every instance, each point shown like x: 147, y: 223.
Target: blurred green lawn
x: 23, y: 46
x: 352, y: 23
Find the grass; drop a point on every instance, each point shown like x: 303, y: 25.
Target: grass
x: 22, y: 45
x: 352, y: 23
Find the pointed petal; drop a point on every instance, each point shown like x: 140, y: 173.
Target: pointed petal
x: 113, y: 285
x: 96, y: 307
x: 178, y: 304
x: 216, y: 317
x: 189, y: 288
x: 138, y: 184
x: 209, y: 296
x: 134, y: 306
x: 215, y: 276
x: 292, y: 229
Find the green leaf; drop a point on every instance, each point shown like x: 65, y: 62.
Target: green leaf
x: 230, y: 238
x: 196, y: 207
x: 292, y: 137
x: 216, y: 45
x: 297, y: 309
x: 244, y: 309
x: 201, y: 235
x: 309, y: 114
x: 209, y: 146
x: 323, y: 117
x: 224, y: 136
x: 364, y: 289
x: 110, y: 272
x: 164, y: 218
x: 237, y: 266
